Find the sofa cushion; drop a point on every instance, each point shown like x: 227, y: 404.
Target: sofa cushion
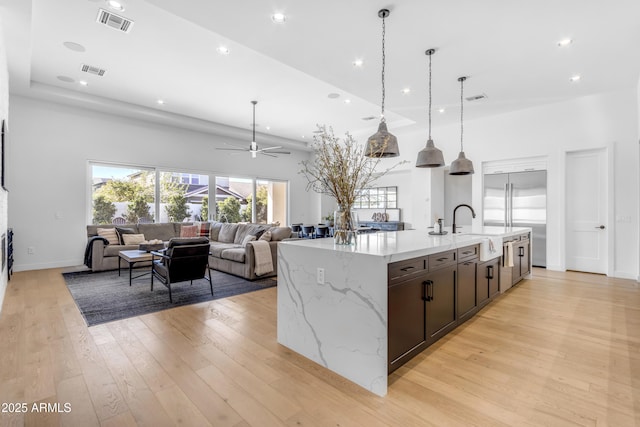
x: 203, y: 228
x: 214, y: 231
x: 234, y: 254
x: 279, y: 233
x: 190, y: 231
x: 109, y: 234
x: 218, y: 248
x: 248, y: 238
x: 125, y: 230
x: 161, y: 231
x: 246, y: 230
x: 227, y: 233
x: 266, y: 236
x: 132, y: 239
x: 114, y: 250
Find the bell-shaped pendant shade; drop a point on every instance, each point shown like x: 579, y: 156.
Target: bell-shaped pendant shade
x: 430, y: 156
x: 382, y: 143
x: 461, y: 166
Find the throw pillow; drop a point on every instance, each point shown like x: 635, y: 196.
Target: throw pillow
x: 133, y: 239
x: 189, y: 231
x: 124, y: 230
x: 266, y: 236
x: 109, y: 234
x: 247, y: 239
x: 203, y: 227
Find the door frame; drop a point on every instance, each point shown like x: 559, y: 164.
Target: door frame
x: 608, y: 151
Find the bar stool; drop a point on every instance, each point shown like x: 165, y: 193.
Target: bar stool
x: 322, y: 231
x: 308, y: 231
x: 296, y: 228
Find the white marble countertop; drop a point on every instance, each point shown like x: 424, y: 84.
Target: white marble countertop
x: 401, y: 245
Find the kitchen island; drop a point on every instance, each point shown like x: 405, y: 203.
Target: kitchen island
x: 333, y: 301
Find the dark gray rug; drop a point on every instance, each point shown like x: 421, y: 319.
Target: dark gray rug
x: 105, y: 297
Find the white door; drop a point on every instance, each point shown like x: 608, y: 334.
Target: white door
x: 586, y: 208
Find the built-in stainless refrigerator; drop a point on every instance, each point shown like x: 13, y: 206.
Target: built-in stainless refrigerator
x: 519, y: 199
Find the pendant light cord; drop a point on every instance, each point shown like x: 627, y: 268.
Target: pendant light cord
x: 430, y: 55
x: 383, y: 64
x: 462, y: 79
x: 254, y: 121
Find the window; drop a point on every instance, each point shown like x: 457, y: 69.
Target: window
x: 129, y: 194
x: 122, y: 194
x: 183, y: 196
x: 379, y: 197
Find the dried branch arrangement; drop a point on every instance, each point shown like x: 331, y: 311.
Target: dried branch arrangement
x: 339, y: 168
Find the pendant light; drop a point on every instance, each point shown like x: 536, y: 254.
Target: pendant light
x: 430, y: 156
x: 382, y: 143
x: 461, y: 165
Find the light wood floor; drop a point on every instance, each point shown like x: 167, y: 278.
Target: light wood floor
x: 561, y: 349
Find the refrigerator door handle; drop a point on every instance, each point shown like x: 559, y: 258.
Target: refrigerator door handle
x: 510, y: 205
x: 506, y: 204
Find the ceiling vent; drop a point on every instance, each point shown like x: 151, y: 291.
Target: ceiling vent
x: 114, y: 21
x: 477, y: 97
x: 93, y: 70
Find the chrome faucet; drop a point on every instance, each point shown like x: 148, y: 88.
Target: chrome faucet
x: 473, y: 214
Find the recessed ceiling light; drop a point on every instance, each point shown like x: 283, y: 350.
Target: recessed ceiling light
x: 575, y: 78
x: 441, y: 110
x: 278, y: 18
x: 74, y: 46
x: 115, y: 5
x: 406, y: 90
x: 347, y: 101
x: 358, y: 63
x: 223, y: 50
x: 564, y: 42
x: 84, y: 83
x: 268, y: 128
x: 66, y: 79
x: 160, y: 101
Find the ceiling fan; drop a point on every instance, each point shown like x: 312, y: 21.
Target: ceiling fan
x: 253, y: 147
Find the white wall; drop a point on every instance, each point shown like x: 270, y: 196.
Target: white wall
x: 4, y: 113
x: 51, y: 145
x: 602, y: 120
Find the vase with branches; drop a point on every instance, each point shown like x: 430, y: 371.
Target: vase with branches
x: 340, y: 169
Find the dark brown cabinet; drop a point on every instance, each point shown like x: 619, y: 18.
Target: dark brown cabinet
x: 429, y: 296
x: 467, y: 288
x: 440, y: 287
x: 406, y: 328
x: 488, y: 280
x: 521, y: 259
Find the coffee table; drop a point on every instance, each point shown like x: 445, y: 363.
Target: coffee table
x: 132, y: 257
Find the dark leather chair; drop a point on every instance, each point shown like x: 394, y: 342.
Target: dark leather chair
x: 184, y: 259
x: 296, y: 228
x: 322, y: 231
x: 308, y: 231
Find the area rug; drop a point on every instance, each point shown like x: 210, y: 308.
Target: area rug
x: 104, y: 296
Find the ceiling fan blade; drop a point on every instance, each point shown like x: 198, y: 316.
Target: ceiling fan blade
x: 232, y: 149
x: 267, y: 154
x: 279, y: 152
x: 269, y: 148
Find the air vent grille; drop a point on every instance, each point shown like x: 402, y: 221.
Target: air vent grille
x: 93, y: 70
x: 114, y: 21
x: 477, y: 97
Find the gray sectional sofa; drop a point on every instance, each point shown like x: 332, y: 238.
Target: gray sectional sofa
x: 230, y: 252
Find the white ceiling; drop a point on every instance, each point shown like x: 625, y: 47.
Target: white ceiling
x: 507, y: 48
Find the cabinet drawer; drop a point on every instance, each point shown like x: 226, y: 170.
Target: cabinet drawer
x: 406, y: 269
x: 468, y: 252
x: 441, y: 259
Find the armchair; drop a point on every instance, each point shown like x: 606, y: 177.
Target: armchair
x: 184, y: 259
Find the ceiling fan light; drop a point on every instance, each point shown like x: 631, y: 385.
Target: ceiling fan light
x: 382, y: 143
x: 430, y: 156
x: 461, y: 166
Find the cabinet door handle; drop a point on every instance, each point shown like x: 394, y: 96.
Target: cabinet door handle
x: 427, y: 290
x: 490, y: 272
x: 521, y: 249
x: 442, y: 259
x: 407, y: 268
